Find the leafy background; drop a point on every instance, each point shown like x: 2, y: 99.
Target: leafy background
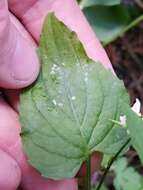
x: 110, y: 19
x: 119, y: 26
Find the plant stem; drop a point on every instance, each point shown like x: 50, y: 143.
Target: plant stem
x: 134, y: 23
x: 110, y: 164
x: 88, y: 174
x: 126, y: 29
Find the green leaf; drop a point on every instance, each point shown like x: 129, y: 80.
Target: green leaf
x: 67, y: 113
x: 88, y: 3
x: 107, y: 22
x: 105, y: 160
x: 126, y: 177
x: 135, y: 128
x: 103, y: 187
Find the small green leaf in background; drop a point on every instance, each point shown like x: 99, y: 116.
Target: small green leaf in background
x: 126, y: 178
x: 135, y: 127
x: 89, y: 3
x: 105, y: 160
x: 103, y: 187
x: 67, y: 113
x: 110, y: 19
x: 108, y: 22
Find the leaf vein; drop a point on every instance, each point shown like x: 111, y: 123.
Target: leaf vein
x: 61, y: 136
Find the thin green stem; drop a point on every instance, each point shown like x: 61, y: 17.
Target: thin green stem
x: 126, y: 29
x: 110, y: 164
x: 134, y: 23
x: 88, y: 174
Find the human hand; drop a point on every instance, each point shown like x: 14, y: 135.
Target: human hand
x: 19, y: 67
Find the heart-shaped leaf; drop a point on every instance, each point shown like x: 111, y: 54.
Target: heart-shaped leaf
x: 68, y: 113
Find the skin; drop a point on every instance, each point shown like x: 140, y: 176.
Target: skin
x: 19, y: 67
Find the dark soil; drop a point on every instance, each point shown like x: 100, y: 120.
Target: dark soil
x: 126, y: 55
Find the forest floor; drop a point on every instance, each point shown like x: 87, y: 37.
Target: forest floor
x: 126, y: 55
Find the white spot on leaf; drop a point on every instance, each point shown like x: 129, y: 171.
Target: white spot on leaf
x: 54, y: 102
x: 52, y: 72
x: 123, y: 120
x: 128, y: 132
x: 86, y: 79
x: 63, y: 64
x: 60, y: 104
x: 73, y: 97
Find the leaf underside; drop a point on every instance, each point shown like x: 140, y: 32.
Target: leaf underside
x: 67, y: 113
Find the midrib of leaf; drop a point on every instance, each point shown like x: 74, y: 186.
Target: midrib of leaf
x: 75, y: 115
x: 67, y: 88
x: 45, y: 89
x: 85, y: 112
x: 80, y: 63
x: 78, y: 58
x: 69, y: 94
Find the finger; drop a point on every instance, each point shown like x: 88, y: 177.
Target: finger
x: 9, y: 126
x: 10, y: 174
x: 10, y: 142
x: 33, y: 13
x: 18, y: 62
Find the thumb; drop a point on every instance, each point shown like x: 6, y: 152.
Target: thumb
x: 18, y: 60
